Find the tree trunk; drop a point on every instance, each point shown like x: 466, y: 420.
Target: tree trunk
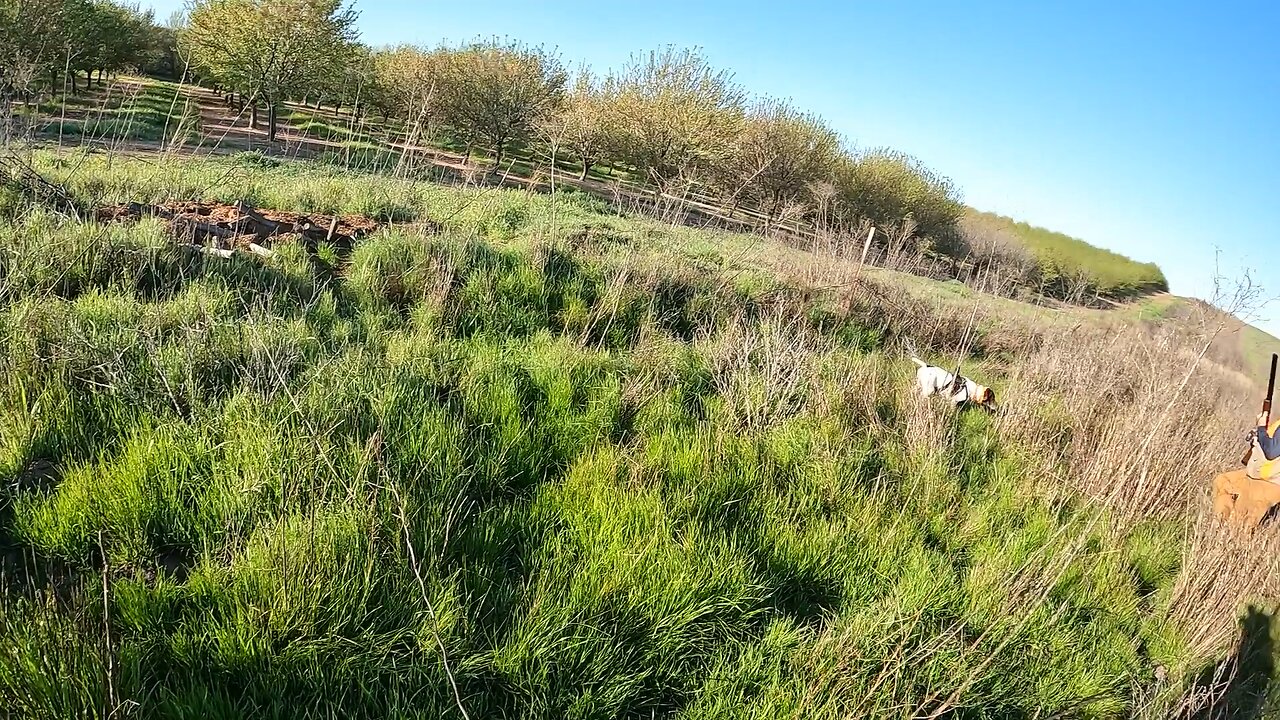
x: 74, y: 88
x: 497, y: 157
x: 271, y: 121
x: 253, y: 114
x: 586, y: 168
x: 317, y: 105
x: 88, y: 79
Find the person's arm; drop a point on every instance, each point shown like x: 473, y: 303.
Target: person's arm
x: 1269, y: 440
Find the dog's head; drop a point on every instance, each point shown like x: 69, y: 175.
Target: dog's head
x: 987, y: 398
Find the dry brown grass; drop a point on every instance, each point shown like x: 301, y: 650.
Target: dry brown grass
x: 1137, y: 418
x: 1140, y: 420
x: 766, y: 369
x: 1128, y: 418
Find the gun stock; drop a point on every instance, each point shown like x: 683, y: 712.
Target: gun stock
x: 1266, y: 402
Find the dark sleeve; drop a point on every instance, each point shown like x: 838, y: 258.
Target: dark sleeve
x: 1270, y: 444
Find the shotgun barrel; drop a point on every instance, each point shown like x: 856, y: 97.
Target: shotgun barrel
x: 1266, y: 402
x: 1271, y: 384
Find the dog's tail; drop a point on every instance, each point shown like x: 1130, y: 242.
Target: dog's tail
x: 911, y: 353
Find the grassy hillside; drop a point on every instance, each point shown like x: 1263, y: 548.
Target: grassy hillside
x: 1257, y: 347
x: 518, y: 455
x: 1239, y: 346
x: 1068, y: 265
x: 145, y: 109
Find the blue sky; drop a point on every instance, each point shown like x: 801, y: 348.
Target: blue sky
x: 1152, y: 129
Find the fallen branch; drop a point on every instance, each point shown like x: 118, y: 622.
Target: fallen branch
x: 186, y: 227
x: 216, y: 252
x: 262, y: 227
x: 146, y: 210
x: 20, y: 174
x: 257, y: 249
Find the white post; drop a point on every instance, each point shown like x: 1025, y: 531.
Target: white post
x: 867, y: 245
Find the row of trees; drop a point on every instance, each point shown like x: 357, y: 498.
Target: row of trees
x: 668, y: 116
x: 47, y: 45
x: 671, y: 119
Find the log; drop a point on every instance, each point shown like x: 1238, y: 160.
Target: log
x: 262, y: 227
x: 189, y: 227
x: 216, y: 252
x: 257, y: 249
x: 146, y: 210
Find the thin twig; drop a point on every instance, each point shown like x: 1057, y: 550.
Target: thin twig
x: 422, y: 585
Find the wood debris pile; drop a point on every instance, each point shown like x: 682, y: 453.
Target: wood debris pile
x: 221, y: 229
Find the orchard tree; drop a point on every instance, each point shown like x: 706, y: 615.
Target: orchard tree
x: 780, y: 154
x: 496, y: 94
x: 677, y: 116
x: 887, y: 186
x: 163, y: 58
x: 409, y: 79
x: 270, y: 49
x: 29, y: 47
x: 119, y: 37
x: 353, y: 81
x: 40, y: 38
x: 585, y: 123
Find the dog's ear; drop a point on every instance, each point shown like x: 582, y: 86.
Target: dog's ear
x: 989, y: 397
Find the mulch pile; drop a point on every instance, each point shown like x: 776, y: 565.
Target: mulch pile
x: 222, y: 228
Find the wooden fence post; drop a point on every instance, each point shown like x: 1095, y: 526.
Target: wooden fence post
x: 867, y: 245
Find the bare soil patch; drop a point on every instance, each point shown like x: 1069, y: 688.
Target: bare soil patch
x: 223, y: 228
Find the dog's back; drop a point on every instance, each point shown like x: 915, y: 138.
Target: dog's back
x: 932, y: 379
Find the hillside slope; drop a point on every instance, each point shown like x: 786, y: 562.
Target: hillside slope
x: 149, y: 112
x: 1067, y: 266
x: 517, y: 455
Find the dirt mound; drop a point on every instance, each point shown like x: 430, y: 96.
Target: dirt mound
x: 223, y: 228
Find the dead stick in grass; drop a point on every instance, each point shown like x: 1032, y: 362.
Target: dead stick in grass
x: 106, y: 630
x: 422, y: 585
x: 215, y: 252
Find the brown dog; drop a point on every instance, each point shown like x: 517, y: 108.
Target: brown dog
x: 1240, y: 497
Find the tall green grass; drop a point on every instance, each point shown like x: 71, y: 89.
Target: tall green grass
x: 546, y: 470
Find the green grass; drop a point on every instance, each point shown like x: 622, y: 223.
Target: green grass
x: 1065, y: 262
x: 611, y: 509
x: 1257, y: 347
x: 129, y: 110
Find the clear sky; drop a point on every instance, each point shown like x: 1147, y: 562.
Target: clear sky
x: 1152, y: 129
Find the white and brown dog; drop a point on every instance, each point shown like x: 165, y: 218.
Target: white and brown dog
x: 933, y: 380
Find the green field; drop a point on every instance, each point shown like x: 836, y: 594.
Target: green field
x: 533, y: 459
